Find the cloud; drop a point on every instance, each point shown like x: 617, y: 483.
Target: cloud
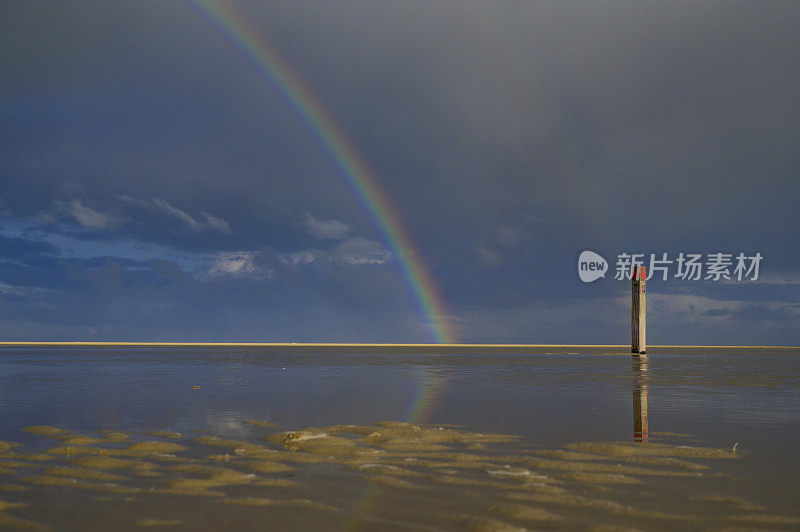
x: 90, y: 218
x: 94, y: 220
x: 788, y: 278
x: 217, y: 224
x: 353, y: 251
x: 234, y: 264
x: 302, y: 257
x: 716, y: 313
x: 326, y: 229
x: 194, y: 225
x: 21, y: 243
x: 183, y: 216
x: 357, y: 250
x: 22, y: 249
x: 478, y: 114
x: 68, y: 213
x: 11, y: 290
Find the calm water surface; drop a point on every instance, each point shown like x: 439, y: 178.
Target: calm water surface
x: 745, y: 402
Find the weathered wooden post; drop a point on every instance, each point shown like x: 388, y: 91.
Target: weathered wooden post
x: 640, y: 430
x: 638, y: 344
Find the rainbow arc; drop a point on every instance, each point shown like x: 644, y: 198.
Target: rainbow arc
x: 279, y: 74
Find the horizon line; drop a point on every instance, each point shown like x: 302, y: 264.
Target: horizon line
x: 78, y: 343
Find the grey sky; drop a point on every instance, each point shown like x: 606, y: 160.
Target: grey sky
x: 154, y: 185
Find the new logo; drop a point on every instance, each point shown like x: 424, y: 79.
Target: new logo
x: 591, y: 266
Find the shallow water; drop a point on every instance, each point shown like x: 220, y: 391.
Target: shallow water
x: 207, y: 437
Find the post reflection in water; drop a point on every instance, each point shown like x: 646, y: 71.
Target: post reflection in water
x: 639, y: 398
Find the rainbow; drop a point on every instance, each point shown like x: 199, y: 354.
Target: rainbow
x: 431, y: 383
x: 359, y: 178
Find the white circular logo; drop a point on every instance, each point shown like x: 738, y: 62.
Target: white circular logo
x: 591, y: 266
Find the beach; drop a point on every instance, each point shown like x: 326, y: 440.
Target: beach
x: 555, y: 437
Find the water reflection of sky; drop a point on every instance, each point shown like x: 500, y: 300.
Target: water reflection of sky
x: 550, y: 398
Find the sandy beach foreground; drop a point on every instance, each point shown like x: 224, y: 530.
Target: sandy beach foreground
x: 246, y: 436
x: 387, y: 475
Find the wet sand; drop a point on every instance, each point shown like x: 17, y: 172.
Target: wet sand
x: 210, y: 438
x: 387, y: 475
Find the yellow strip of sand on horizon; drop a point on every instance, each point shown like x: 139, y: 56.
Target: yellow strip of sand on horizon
x: 367, y: 345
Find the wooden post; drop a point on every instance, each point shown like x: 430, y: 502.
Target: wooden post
x: 638, y: 344
x: 640, y: 431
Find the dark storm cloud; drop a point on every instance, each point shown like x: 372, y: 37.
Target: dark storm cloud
x: 144, y: 161
x: 26, y: 251
x: 682, y: 115
x: 244, y: 295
